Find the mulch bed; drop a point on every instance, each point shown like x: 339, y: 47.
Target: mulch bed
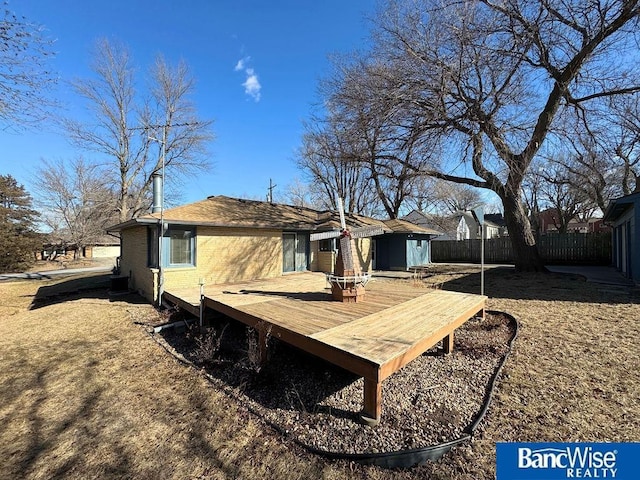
x: 431, y: 400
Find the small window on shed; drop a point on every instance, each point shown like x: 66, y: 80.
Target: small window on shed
x: 419, y: 243
x: 327, y: 245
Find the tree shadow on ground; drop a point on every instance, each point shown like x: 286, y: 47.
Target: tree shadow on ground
x: 85, y: 286
x: 506, y: 283
x: 32, y: 409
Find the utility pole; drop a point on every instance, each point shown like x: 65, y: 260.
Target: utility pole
x: 270, y: 194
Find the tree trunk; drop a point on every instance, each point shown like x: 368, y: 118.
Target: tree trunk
x: 525, y: 250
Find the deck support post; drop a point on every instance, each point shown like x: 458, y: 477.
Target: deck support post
x: 262, y: 346
x: 447, y: 344
x: 372, y: 402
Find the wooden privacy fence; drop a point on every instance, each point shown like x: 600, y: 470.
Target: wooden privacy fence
x: 569, y: 248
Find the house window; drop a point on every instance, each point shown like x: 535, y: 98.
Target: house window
x: 327, y: 245
x: 152, y: 244
x: 181, y: 247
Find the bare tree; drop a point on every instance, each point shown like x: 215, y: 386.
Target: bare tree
x: 559, y: 192
x: 131, y: 133
x: 627, y: 144
x: 24, y: 76
x: 590, y: 168
x: 174, y: 118
x: 456, y: 197
x: 602, y: 161
x: 327, y: 158
x: 301, y: 194
x: 425, y: 198
x: 74, y: 201
x: 373, y: 131
x: 489, y: 81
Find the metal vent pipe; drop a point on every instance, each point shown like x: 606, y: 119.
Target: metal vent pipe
x: 156, y: 207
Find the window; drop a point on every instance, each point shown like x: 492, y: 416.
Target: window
x: 181, y: 246
x: 327, y: 245
x: 152, y: 247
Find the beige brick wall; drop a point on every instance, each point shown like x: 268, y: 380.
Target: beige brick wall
x: 363, y: 253
x: 325, y: 261
x: 133, y: 262
x: 226, y: 255
x: 223, y: 255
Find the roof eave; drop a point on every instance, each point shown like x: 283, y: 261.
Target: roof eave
x: 131, y: 223
x: 153, y: 221
x: 615, y: 210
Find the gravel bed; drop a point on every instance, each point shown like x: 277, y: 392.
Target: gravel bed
x: 429, y: 401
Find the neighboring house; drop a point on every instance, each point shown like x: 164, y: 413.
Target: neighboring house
x: 468, y: 228
x: 549, y: 221
x: 223, y: 240
x: 106, y: 246
x: 623, y: 214
x: 445, y: 227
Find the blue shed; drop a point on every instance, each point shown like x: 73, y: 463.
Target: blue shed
x: 409, y: 245
x: 623, y: 214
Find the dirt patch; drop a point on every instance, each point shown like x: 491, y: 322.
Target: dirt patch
x: 433, y: 399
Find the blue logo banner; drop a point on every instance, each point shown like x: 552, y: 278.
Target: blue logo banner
x: 551, y: 461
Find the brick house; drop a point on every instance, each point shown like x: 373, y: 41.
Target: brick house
x: 549, y: 222
x: 223, y: 240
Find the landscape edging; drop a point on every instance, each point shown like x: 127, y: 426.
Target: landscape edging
x: 397, y: 459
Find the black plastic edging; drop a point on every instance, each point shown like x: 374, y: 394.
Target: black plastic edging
x: 400, y: 458
x: 492, y: 383
x: 413, y: 457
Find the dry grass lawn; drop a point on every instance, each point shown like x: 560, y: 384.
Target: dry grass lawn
x: 85, y: 393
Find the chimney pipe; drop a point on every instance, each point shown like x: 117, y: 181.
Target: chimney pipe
x: 156, y: 207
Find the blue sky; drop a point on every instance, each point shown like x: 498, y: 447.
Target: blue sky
x: 257, y: 66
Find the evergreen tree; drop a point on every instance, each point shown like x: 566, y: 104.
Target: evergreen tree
x: 18, y: 239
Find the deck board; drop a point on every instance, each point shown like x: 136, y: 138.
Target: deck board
x: 384, y: 335
x: 374, y: 338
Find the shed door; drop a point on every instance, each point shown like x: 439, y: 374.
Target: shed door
x: 628, y: 251
x: 622, y: 262
x: 417, y: 252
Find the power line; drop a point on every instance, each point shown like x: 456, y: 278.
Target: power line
x: 154, y: 127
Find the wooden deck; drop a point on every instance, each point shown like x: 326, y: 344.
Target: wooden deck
x: 374, y: 338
